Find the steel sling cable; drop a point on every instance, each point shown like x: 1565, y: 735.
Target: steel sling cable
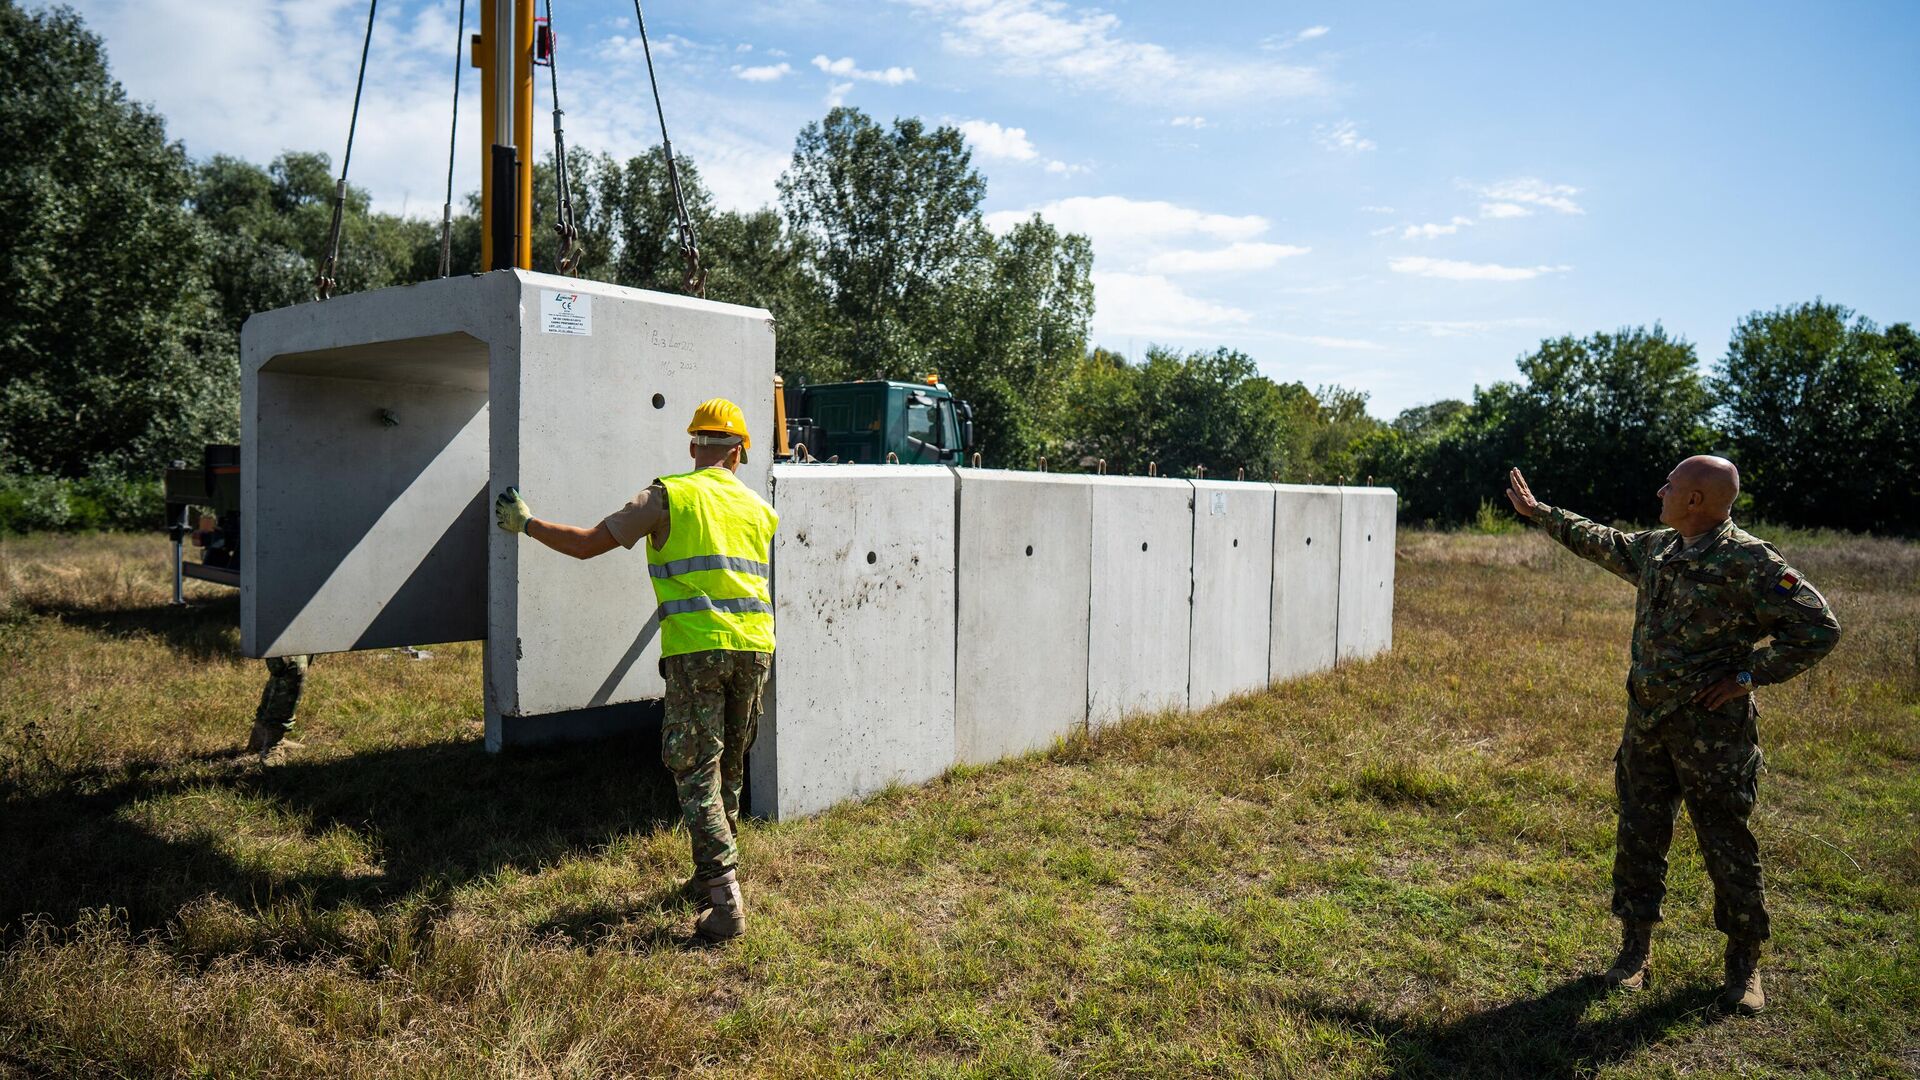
x: 453, y: 143
x: 695, y: 281
x: 324, y: 282
x: 568, y: 258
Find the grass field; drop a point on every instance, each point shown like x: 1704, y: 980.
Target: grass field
x: 1394, y: 869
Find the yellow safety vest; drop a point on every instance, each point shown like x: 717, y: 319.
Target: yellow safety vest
x: 712, y: 579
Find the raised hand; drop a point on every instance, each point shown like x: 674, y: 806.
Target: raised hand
x: 1521, y: 496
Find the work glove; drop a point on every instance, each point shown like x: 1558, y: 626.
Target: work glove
x: 510, y: 511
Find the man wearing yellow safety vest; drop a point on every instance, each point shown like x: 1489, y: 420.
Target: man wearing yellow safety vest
x: 708, y: 545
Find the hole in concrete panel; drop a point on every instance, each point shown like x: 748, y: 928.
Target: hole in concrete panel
x: 1369, y: 538
x: 1236, y: 541
x: 1143, y: 545
x: 659, y: 401
x: 872, y: 558
x: 1029, y: 549
x: 1309, y: 541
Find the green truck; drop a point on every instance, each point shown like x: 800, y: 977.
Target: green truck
x: 876, y: 421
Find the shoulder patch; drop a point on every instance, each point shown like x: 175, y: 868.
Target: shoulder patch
x: 1809, y: 597
x: 1788, y: 583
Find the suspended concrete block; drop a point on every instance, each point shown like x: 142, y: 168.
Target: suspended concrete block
x: 1306, y: 580
x: 1023, y: 576
x: 1232, y: 589
x: 1141, y: 596
x: 1367, y: 517
x: 863, y: 587
x: 377, y: 425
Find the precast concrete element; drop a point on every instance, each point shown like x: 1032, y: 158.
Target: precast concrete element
x: 1023, y: 575
x: 1141, y: 607
x: 363, y: 466
x: 1306, y: 580
x: 376, y: 426
x: 587, y: 411
x: 863, y: 685
x: 1367, y: 517
x: 1232, y: 589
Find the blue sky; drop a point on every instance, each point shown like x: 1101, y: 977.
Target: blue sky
x: 1400, y: 198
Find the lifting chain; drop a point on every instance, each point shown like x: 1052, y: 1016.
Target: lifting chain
x: 694, y: 281
x: 324, y: 282
x: 567, y: 261
x: 453, y: 142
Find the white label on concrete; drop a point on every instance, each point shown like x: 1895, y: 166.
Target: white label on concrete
x: 1217, y: 504
x: 1023, y: 579
x: 1142, y: 586
x: 862, y: 692
x: 1232, y: 591
x: 566, y: 312
x: 1366, y: 571
x: 1306, y: 580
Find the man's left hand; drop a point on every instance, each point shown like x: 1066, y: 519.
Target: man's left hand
x: 510, y: 511
x: 1719, y: 693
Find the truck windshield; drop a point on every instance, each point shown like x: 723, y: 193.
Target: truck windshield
x: 924, y: 430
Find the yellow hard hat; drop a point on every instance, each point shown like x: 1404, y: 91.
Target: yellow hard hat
x: 721, y: 417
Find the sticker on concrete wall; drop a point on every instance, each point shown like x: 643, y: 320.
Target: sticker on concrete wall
x: 1219, y: 506
x: 566, y: 313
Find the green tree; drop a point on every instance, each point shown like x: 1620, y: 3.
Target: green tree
x: 1814, y: 401
x: 1177, y: 411
x: 109, y: 360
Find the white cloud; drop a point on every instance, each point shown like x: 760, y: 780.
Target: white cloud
x: 1189, y: 121
x: 1061, y: 168
x: 845, y: 68
x: 1446, y: 328
x: 1504, y: 210
x: 1455, y: 270
x: 1343, y: 137
x: 1148, y: 305
x: 837, y: 94
x: 763, y: 73
x: 1085, y: 48
x: 1325, y: 342
x: 743, y: 47
x: 1431, y: 229
x: 994, y: 141
x: 1384, y: 230
x: 1377, y: 210
x: 1118, y: 225
x: 1233, y: 257
x: 1531, y: 191
x: 1312, y: 32
x: 623, y: 49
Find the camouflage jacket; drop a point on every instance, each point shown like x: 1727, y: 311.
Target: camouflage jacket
x: 1700, y: 613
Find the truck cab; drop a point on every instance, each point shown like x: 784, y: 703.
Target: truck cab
x: 866, y: 420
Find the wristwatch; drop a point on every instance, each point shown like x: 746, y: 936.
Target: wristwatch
x: 1744, y: 678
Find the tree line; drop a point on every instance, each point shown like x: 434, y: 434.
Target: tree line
x: 129, y: 269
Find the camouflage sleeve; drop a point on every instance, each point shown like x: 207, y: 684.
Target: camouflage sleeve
x: 1617, y: 551
x: 1803, y: 627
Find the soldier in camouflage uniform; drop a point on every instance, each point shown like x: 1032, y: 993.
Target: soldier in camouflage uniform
x: 1708, y: 592
x: 708, y: 542
x: 279, y: 701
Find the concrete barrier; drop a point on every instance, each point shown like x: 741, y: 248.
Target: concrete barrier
x: 1306, y: 580
x: 1232, y: 589
x: 863, y: 587
x: 1367, y: 518
x: 1140, y: 609
x: 1023, y: 575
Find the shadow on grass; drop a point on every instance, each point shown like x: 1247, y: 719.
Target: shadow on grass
x: 433, y: 816
x: 1546, y: 1036
x: 203, y: 630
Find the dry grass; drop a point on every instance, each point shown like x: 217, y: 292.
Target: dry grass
x: 1396, y: 868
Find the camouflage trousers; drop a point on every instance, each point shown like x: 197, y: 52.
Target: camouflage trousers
x: 1708, y: 759
x: 286, y: 678
x: 713, y: 707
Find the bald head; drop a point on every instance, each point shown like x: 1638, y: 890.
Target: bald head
x: 1699, y: 493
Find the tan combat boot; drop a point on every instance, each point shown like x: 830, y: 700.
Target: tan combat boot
x: 1632, y: 970
x: 1742, y: 993
x: 727, y: 917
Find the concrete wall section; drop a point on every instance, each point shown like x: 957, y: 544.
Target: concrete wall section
x: 1306, y: 580
x: 863, y: 685
x: 1023, y: 577
x: 1367, y: 518
x: 1140, y: 610
x: 1232, y: 589
x: 364, y: 443
x: 589, y: 409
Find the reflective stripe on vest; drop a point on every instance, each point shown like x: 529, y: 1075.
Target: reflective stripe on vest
x: 712, y: 579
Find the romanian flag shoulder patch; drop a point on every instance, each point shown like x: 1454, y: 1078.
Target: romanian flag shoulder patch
x: 1788, y: 582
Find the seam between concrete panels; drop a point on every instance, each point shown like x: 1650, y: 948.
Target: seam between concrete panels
x: 1273, y: 581
x: 1193, y: 556
x: 954, y: 473
x: 1339, y: 573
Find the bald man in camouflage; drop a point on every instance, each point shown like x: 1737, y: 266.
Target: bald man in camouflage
x: 1708, y: 591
